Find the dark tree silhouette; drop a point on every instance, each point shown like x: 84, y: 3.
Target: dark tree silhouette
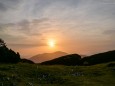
x: 2, y: 43
x: 8, y: 55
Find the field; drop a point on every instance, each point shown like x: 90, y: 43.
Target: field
x: 22, y: 74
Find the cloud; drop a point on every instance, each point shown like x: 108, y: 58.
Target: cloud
x: 109, y: 32
x: 62, y: 10
x: 8, y: 4
x: 108, y: 36
x: 26, y: 31
x: 2, y: 7
x: 26, y: 45
x: 26, y: 21
x: 25, y: 27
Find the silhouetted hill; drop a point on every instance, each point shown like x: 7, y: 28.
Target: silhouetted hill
x: 75, y: 59
x: 82, y: 56
x: 98, y: 58
x: 46, y: 56
x: 72, y: 59
x: 26, y: 61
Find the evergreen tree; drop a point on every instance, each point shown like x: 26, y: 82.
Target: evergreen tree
x: 8, y: 55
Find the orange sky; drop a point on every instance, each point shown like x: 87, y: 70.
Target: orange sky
x: 78, y: 26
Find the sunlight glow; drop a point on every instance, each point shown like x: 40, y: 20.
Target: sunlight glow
x: 51, y: 43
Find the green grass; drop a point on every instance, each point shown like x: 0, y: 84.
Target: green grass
x: 57, y: 75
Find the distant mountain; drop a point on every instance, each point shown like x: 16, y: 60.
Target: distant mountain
x: 61, y: 58
x: 70, y: 60
x: 47, y: 56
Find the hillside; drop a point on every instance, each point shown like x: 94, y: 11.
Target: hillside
x: 37, y: 75
x: 72, y: 59
x: 98, y: 58
x: 75, y: 59
x: 46, y: 56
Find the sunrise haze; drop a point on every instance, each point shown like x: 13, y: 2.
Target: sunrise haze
x: 32, y: 27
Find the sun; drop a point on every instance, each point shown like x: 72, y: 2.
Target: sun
x: 51, y: 43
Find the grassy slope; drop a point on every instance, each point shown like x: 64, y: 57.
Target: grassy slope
x: 37, y: 75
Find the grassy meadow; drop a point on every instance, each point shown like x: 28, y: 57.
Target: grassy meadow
x: 23, y: 74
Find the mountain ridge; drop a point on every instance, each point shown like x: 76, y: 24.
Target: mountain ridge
x: 75, y: 59
x: 47, y: 56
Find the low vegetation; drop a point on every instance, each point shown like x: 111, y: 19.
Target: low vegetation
x: 22, y: 74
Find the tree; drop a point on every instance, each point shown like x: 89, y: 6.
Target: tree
x: 8, y: 55
x: 2, y: 43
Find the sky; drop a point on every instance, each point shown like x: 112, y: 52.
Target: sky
x: 78, y: 26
